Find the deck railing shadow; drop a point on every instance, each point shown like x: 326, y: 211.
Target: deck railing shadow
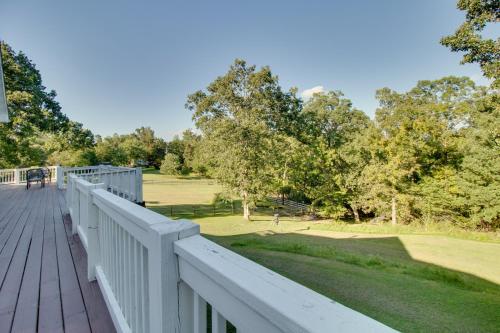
x: 385, y: 255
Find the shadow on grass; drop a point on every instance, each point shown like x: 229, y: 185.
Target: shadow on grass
x: 378, y: 277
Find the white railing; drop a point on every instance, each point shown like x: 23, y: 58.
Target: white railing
x: 158, y: 275
x: 18, y: 176
x: 7, y: 176
x: 122, y: 181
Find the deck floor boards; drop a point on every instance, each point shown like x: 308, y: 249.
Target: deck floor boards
x: 43, y: 272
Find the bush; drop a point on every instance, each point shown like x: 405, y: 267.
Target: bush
x: 185, y: 170
x: 221, y: 198
x: 171, y: 165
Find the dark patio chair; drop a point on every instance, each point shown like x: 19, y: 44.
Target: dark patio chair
x: 35, y: 176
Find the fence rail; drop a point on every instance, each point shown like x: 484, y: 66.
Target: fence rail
x: 291, y: 204
x: 159, y: 275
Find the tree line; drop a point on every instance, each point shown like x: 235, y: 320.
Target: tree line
x: 431, y: 153
x: 39, y: 133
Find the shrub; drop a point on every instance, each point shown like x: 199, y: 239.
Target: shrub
x: 170, y: 165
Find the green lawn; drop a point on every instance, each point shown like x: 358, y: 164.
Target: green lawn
x: 412, y: 279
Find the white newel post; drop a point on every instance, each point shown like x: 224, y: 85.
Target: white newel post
x: 93, y: 247
x: 17, y: 176
x: 164, y: 277
x: 68, y: 194
x: 138, y: 185
x: 75, y: 205
x: 60, y: 177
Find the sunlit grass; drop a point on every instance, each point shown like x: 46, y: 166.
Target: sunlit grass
x: 417, y: 278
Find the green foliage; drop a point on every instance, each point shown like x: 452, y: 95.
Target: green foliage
x: 153, y: 147
x: 171, y: 165
x: 220, y: 197
x: 240, y: 115
x: 37, y: 126
x: 334, y: 156
x: 433, y: 150
x: 140, y: 148
x: 110, y: 150
x: 467, y: 38
x: 72, y: 158
x: 430, y: 155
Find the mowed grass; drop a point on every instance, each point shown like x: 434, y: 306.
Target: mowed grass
x: 160, y: 190
x: 412, y: 279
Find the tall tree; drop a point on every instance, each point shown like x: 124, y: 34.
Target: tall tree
x: 330, y: 160
x: 111, y: 150
x: 468, y: 38
x: 415, y: 138
x: 34, y: 115
x: 154, y: 147
x: 240, y: 114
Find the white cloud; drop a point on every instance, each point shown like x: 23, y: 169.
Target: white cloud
x: 308, y: 93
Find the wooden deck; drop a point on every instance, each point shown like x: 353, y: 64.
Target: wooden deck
x: 43, y: 272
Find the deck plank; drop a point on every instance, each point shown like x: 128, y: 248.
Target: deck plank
x: 50, y: 317
x: 8, y: 247
x: 26, y: 312
x: 8, y: 204
x: 74, y: 311
x: 9, y: 291
x: 99, y: 318
x: 9, y: 220
x: 43, y: 272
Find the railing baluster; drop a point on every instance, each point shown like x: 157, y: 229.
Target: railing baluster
x: 135, y: 291
x: 140, y: 301
x: 200, y: 314
x: 129, y: 270
x: 145, y: 294
x: 218, y: 322
x: 120, y: 266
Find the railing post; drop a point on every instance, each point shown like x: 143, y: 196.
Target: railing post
x: 138, y: 185
x: 60, y: 177
x: 17, y: 176
x: 68, y: 194
x: 74, y: 202
x: 164, y: 274
x: 93, y: 245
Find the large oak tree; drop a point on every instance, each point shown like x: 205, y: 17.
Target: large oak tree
x: 240, y: 115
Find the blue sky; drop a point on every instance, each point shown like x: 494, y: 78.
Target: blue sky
x: 119, y: 65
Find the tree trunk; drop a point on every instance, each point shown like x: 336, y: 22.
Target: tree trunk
x: 394, y: 213
x: 246, y: 207
x: 356, y: 214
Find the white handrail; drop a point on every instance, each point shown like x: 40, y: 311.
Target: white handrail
x: 122, y: 181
